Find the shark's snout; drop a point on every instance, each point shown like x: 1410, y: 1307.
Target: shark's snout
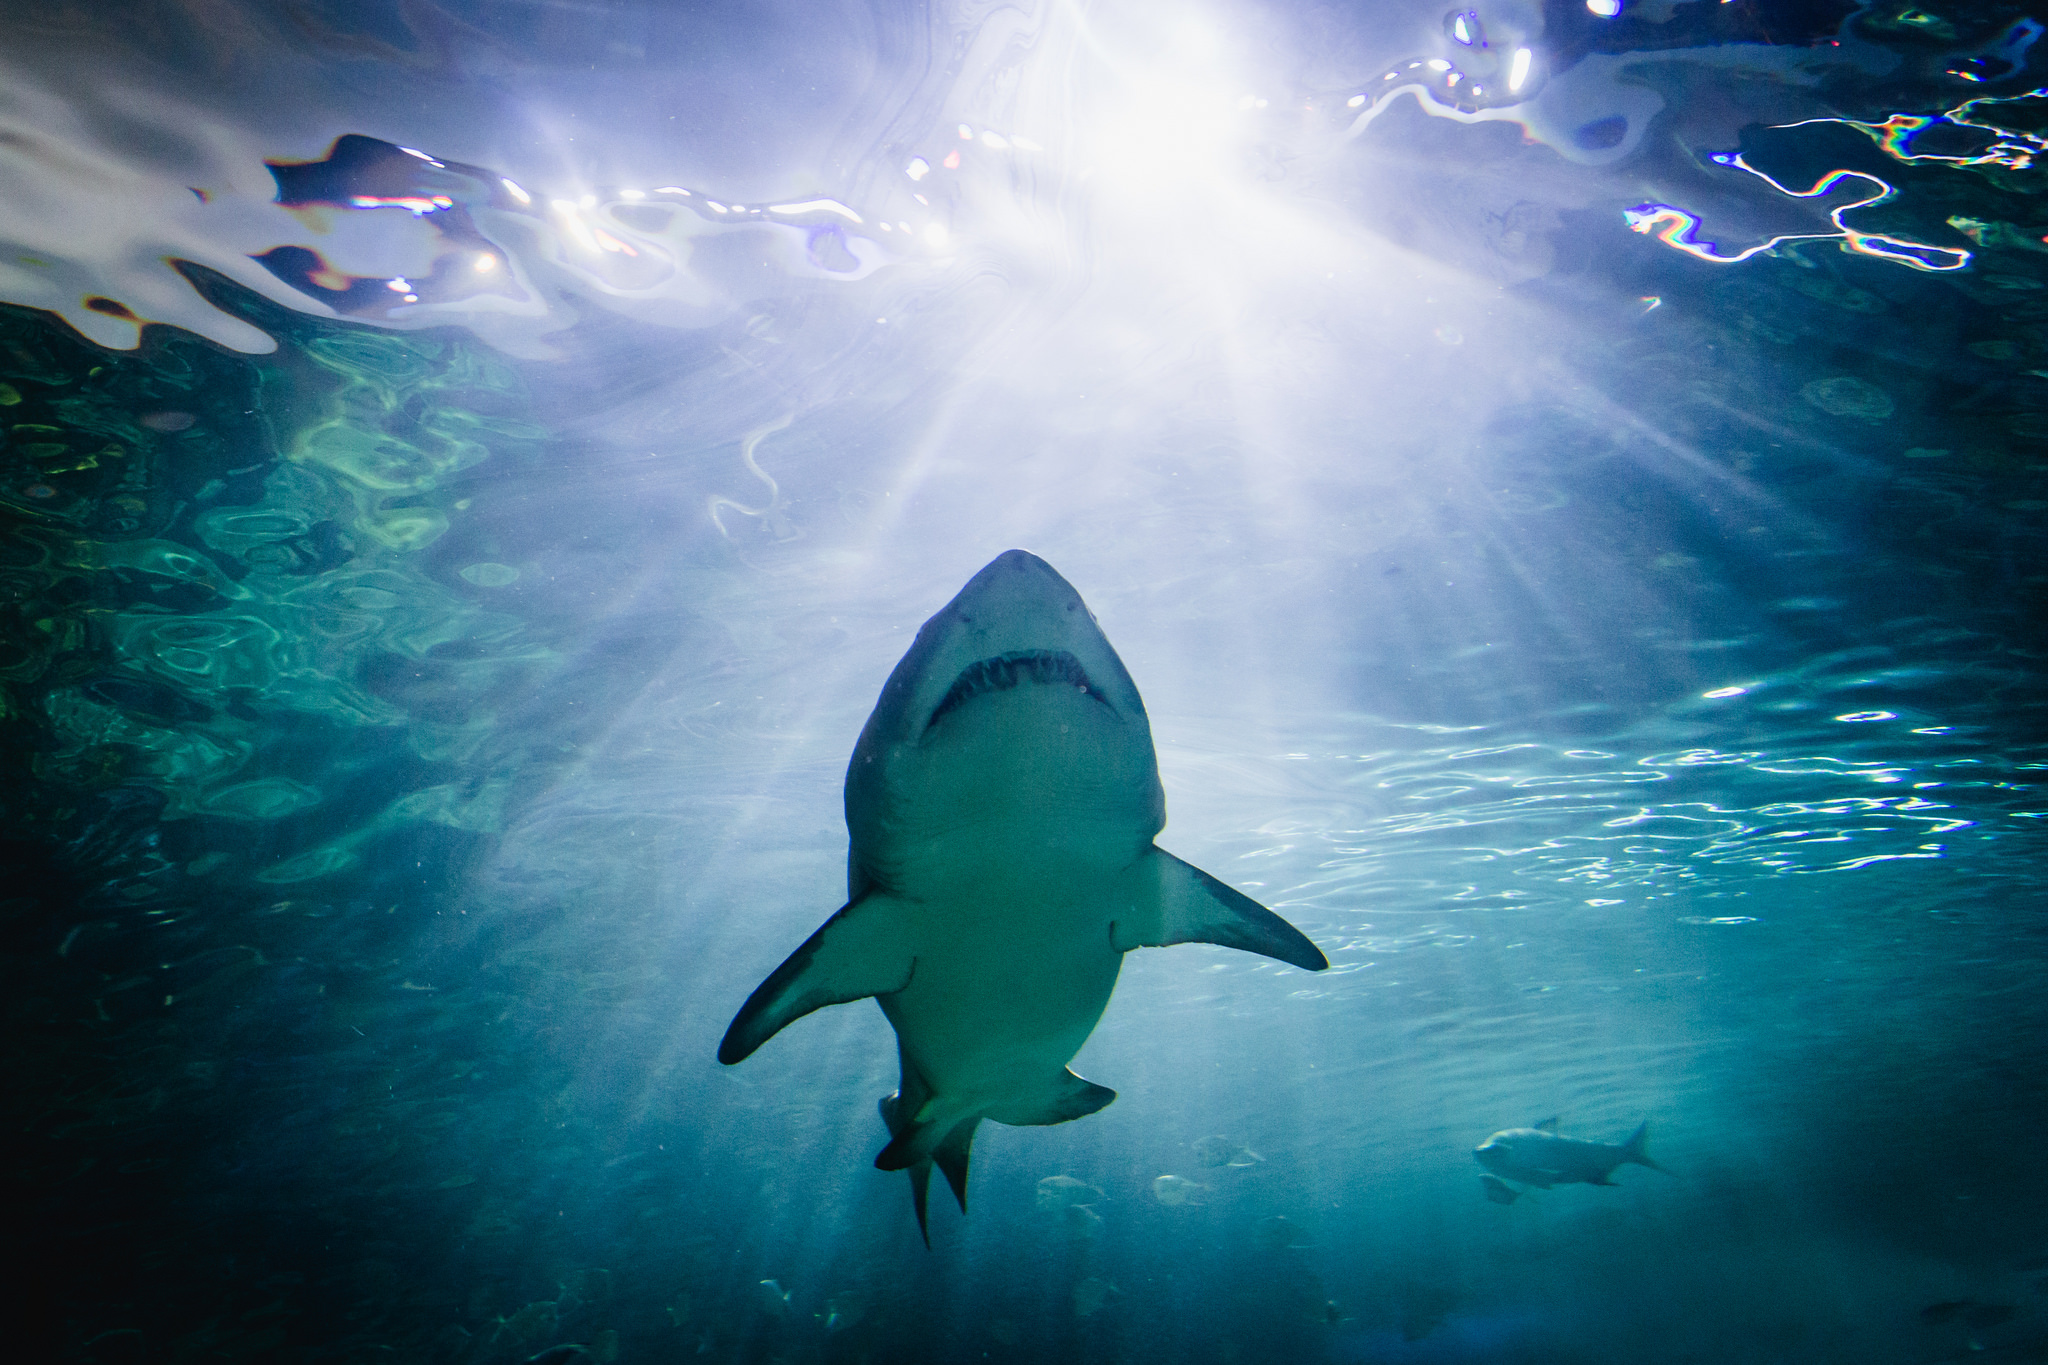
x: 1014, y: 582
x: 1021, y: 561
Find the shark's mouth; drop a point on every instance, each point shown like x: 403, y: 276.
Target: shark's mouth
x: 1005, y: 671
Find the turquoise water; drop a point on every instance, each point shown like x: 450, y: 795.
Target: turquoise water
x: 468, y: 470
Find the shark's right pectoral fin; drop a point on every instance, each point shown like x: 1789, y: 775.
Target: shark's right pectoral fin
x: 1167, y: 901
x: 861, y: 951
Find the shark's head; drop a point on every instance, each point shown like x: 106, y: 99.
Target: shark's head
x: 1497, y: 1153
x: 1010, y: 699
x: 1016, y: 623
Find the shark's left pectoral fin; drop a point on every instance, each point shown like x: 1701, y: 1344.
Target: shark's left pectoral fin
x: 1167, y: 901
x: 861, y: 951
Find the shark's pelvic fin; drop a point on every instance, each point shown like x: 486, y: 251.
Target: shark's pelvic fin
x: 861, y: 951
x: 945, y: 1133
x: 1168, y: 901
x: 917, y: 1121
x: 1076, y: 1097
x: 1548, y: 1125
x: 913, y: 1140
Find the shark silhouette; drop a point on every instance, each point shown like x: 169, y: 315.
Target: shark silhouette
x: 1001, y: 803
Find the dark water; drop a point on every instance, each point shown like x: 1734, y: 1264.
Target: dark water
x: 442, y: 588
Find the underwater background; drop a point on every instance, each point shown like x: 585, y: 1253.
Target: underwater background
x: 1568, y: 478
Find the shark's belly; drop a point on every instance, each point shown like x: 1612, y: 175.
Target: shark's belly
x: 1563, y: 1161
x: 1008, y: 823
x: 997, y: 1014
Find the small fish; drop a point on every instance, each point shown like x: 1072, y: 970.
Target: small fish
x: 1175, y: 1191
x: 1982, y: 1315
x: 1090, y: 1294
x: 1060, y: 1191
x: 844, y: 1310
x: 535, y: 1322
x: 1934, y: 1314
x: 1083, y: 1223
x: 774, y: 1297
x: 1540, y: 1156
x: 557, y: 1355
x: 1281, y: 1233
x: 1223, y: 1151
x: 1419, y: 1322
x: 1498, y: 1190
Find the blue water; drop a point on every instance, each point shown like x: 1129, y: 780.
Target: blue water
x: 469, y: 468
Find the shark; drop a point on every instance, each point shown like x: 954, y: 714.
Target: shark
x: 1543, y: 1157
x: 1001, y: 807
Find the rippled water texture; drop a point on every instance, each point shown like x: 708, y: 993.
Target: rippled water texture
x: 1567, y: 478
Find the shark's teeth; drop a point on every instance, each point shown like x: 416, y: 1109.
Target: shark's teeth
x: 1005, y: 671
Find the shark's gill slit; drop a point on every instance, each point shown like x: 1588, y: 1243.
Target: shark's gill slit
x: 1005, y: 671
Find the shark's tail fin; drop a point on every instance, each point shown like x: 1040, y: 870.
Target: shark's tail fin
x: 920, y: 1172
x: 1637, y: 1148
x: 952, y: 1158
x: 912, y: 1150
x: 920, y: 1187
